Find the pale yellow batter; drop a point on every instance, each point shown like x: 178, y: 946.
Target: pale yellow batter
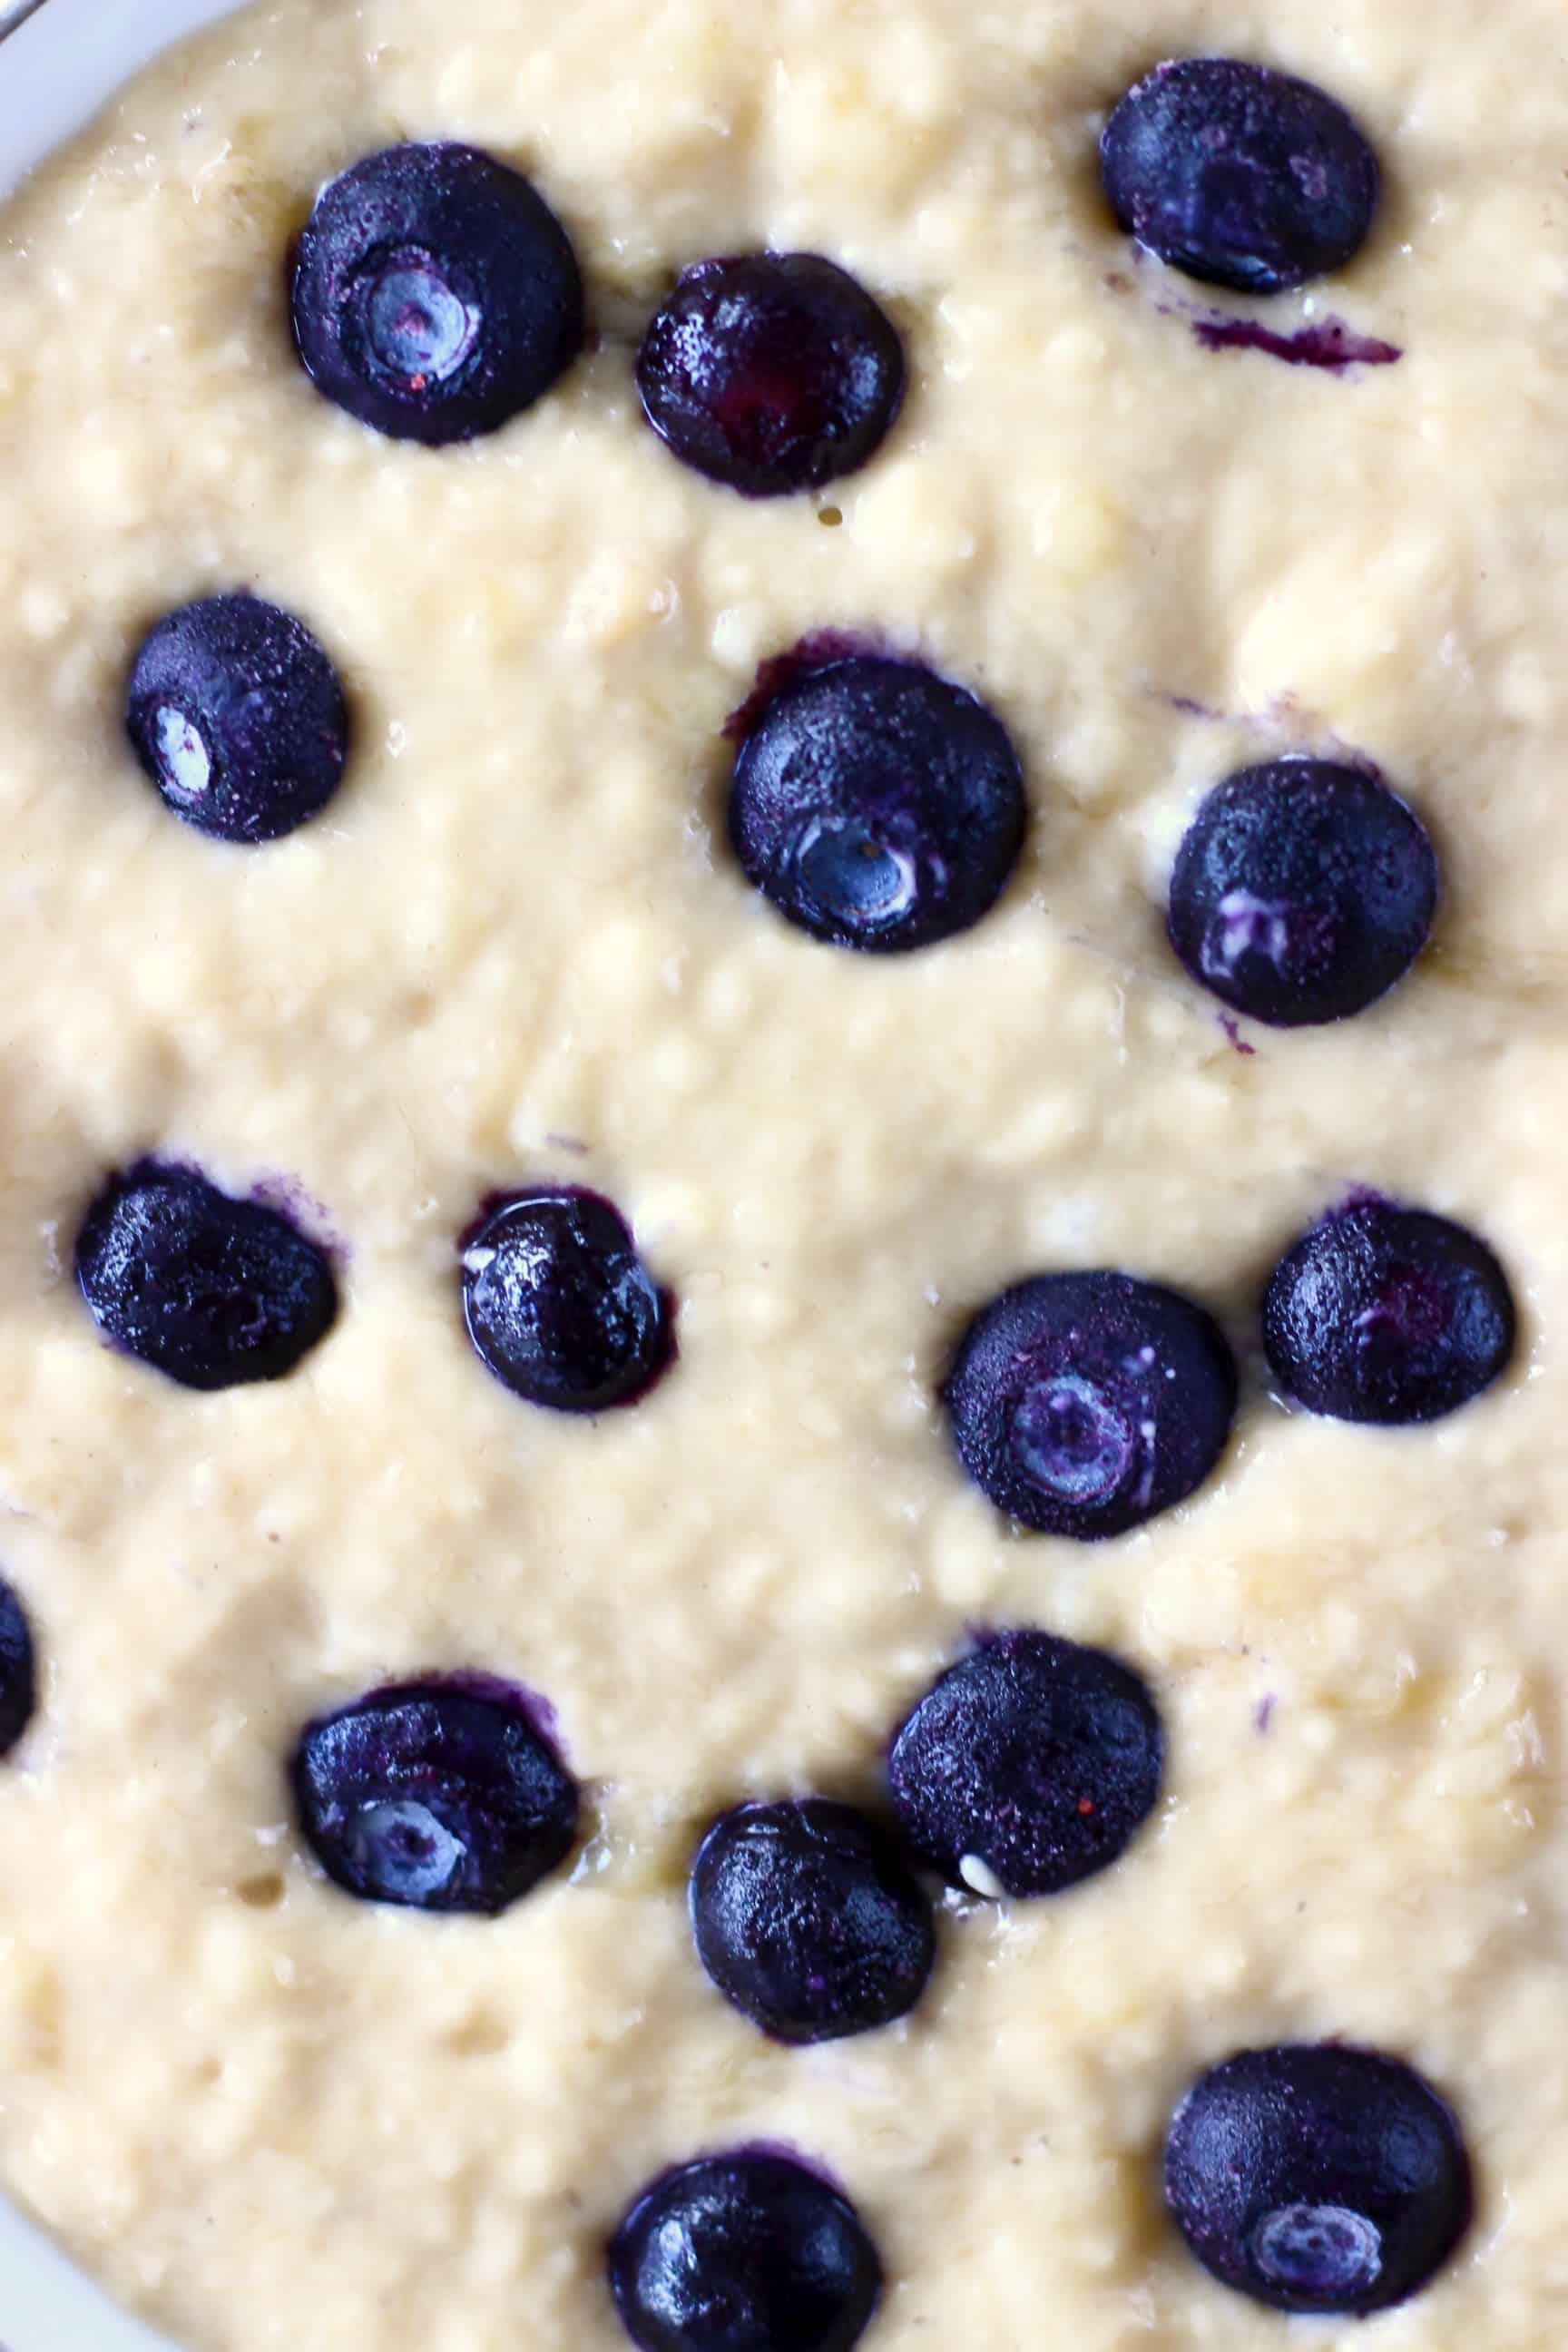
x: 514, y: 947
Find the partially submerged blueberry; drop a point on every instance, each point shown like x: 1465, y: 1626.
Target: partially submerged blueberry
x: 773, y: 373
x: 18, y: 1669
x: 747, y: 2252
x: 559, y: 1305
x: 439, y: 1796
x: 1239, y: 175
x: 238, y: 716
x: 1084, y: 1403
x: 1302, y: 891
x: 212, y: 1291
x: 434, y: 294
x: 807, y: 1918
x: 1317, y: 2178
x: 1387, y: 1314
x: 876, y: 806
x: 1027, y: 1767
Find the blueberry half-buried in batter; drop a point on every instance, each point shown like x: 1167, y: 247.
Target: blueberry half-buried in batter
x: 237, y: 715
x: 771, y: 372
x: 434, y: 294
x: 876, y: 805
x: 1302, y: 891
x: 1086, y: 1404
x: 1317, y: 2178
x: 559, y: 1303
x: 443, y: 1795
x: 1027, y: 1767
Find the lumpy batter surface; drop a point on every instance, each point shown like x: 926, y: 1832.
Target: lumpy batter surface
x: 516, y: 949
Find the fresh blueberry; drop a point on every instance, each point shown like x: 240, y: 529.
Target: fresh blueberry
x: 1239, y: 175
x: 807, y: 1917
x: 441, y: 1796
x: 876, y: 806
x: 559, y: 1305
x: 1302, y: 891
x: 435, y: 295
x: 771, y: 374
x: 1389, y: 1315
x: 238, y: 718
x: 18, y: 1670
x: 213, y: 1291
x: 1085, y: 1403
x: 743, y: 2253
x: 1316, y: 2178
x: 1027, y: 1767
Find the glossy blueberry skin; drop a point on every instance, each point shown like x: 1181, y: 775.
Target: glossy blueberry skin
x: 1389, y: 1315
x: 436, y: 1796
x: 560, y: 1307
x: 212, y: 1291
x: 238, y: 716
x: 1085, y: 1403
x: 876, y: 806
x: 771, y: 373
x: 18, y: 1669
x: 1302, y: 892
x: 1316, y: 2178
x: 1239, y: 176
x: 434, y: 294
x: 1035, y: 1759
x: 807, y: 1918
x: 747, y: 2252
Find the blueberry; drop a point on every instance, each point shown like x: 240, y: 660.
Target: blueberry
x: 238, y: 718
x: 559, y: 1305
x: 807, y: 1917
x: 1302, y: 891
x: 1389, y: 1315
x: 1316, y: 2178
x: 744, y: 2253
x: 18, y: 1670
x: 876, y: 806
x: 1027, y: 1767
x: 213, y: 1291
x: 771, y: 373
x: 435, y: 295
x: 1085, y: 1403
x: 440, y: 1796
x: 1239, y: 175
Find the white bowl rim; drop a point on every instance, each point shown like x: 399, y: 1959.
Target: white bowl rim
x: 62, y: 60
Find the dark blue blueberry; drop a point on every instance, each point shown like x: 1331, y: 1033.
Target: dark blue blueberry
x: 18, y: 1670
x: 1318, y: 2178
x: 876, y: 806
x: 1389, y: 1315
x: 1302, y: 891
x: 559, y: 1305
x: 440, y: 1796
x: 1085, y: 1403
x: 807, y: 1917
x: 744, y: 2253
x: 1239, y: 175
x: 239, y: 717
x: 213, y: 1291
x: 1027, y: 1767
x: 434, y: 294
x: 771, y: 373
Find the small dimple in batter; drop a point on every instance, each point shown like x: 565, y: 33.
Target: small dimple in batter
x: 679, y: 1181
